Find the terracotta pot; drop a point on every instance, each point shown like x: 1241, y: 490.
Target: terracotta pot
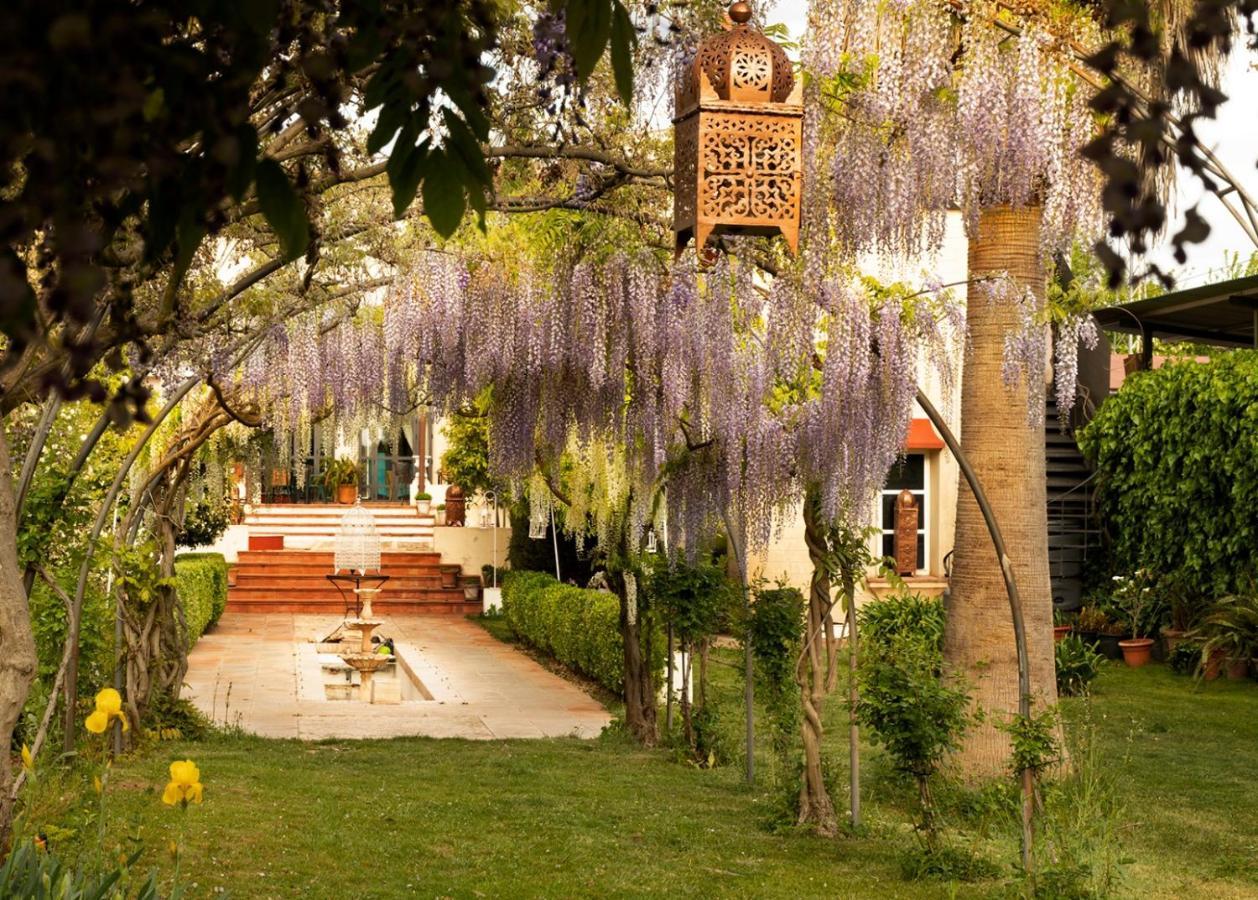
x: 1171, y: 638
x: 1237, y: 669
x: 450, y: 577
x: 1060, y: 632
x: 346, y: 493
x: 1214, y: 666
x: 1136, y: 651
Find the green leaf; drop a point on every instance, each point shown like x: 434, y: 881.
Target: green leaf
x: 589, y: 25
x: 241, y: 175
x: 467, y: 147
x: 444, y: 199
x: 188, y: 236
x: 283, y: 209
x: 404, y: 178
x: 624, y: 40
x: 392, y: 115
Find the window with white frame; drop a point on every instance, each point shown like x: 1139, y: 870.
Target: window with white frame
x: 910, y: 473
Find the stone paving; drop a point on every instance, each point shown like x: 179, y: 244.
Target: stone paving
x: 249, y: 670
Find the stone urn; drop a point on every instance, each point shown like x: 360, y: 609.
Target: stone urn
x: 456, y: 506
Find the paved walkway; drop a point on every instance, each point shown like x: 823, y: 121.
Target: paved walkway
x: 255, y: 669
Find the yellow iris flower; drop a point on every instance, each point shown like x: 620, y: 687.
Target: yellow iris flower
x: 108, y: 708
x: 185, y: 784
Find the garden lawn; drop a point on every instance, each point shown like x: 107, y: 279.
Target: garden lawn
x: 602, y: 818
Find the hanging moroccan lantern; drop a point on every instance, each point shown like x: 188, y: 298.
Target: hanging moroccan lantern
x: 737, y: 139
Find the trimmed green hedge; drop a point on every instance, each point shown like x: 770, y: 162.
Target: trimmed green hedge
x: 1176, y: 452
x: 580, y: 628
x: 201, y: 585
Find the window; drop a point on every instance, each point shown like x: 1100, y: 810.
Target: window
x: 909, y: 473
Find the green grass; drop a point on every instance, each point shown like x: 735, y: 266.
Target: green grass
x: 562, y: 818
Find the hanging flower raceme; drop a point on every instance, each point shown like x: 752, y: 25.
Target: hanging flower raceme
x: 108, y: 708
x: 184, y: 786
x: 917, y: 116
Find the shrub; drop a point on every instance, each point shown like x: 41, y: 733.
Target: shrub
x: 904, y: 700
x: 580, y: 628
x: 1185, y: 658
x: 205, y: 522
x: 201, y: 585
x: 1178, y: 476
x: 776, y: 629
x: 884, y: 623
x: 1077, y: 665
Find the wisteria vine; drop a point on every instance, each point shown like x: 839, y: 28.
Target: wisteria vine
x: 736, y: 392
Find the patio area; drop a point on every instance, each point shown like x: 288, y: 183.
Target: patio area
x: 259, y: 671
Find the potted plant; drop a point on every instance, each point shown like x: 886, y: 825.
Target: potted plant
x: 1229, y: 636
x: 1062, y: 625
x: 1137, y: 605
x: 1181, y: 612
x: 1096, y: 626
x: 423, y: 503
x: 340, y: 479
x: 440, y: 517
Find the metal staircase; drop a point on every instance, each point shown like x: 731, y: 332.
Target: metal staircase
x: 1073, y: 532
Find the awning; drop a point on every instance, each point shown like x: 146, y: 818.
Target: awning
x: 1223, y: 314
x: 922, y: 436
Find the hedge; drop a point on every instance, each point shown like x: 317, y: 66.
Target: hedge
x: 580, y: 628
x: 201, y: 585
x: 1176, y: 452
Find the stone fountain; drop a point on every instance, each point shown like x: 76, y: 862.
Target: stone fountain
x: 358, y: 554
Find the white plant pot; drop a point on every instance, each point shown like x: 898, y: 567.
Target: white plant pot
x: 491, y: 599
x: 424, y: 507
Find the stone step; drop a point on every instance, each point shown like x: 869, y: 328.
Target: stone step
x: 396, y: 583
x: 320, y: 571
x: 337, y: 608
x: 325, y: 558
x: 329, y: 594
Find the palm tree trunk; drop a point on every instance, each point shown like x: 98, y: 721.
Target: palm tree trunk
x: 1008, y: 457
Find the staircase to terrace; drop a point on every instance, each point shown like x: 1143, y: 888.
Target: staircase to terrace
x: 292, y: 578
x: 307, y: 525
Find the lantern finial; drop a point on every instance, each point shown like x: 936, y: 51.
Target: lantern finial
x: 740, y: 12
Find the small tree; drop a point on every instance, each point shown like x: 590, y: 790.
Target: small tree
x: 695, y: 600
x: 775, y: 628
x: 904, y: 700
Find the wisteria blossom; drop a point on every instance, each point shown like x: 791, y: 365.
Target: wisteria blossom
x: 744, y: 392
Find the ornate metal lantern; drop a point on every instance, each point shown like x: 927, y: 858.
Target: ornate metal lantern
x: 357, y: 543
x: 737, y: 139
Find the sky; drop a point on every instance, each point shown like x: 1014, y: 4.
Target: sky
x: 1233, y: 136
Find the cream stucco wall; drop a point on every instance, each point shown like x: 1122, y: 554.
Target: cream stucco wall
x: 471, y: 548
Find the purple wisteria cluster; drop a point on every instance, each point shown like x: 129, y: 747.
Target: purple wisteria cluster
x: 741, y: 391
x: 920, y: 116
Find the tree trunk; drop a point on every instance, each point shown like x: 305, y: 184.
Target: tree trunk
x: 18, y: 660
x: 815, y: 806
x: 1008, y: 456
x: 640, y: 710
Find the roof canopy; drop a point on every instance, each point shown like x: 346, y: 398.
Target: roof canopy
x: 1223, y: 314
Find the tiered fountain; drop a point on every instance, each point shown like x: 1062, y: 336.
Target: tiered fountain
x: 358, y: 553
